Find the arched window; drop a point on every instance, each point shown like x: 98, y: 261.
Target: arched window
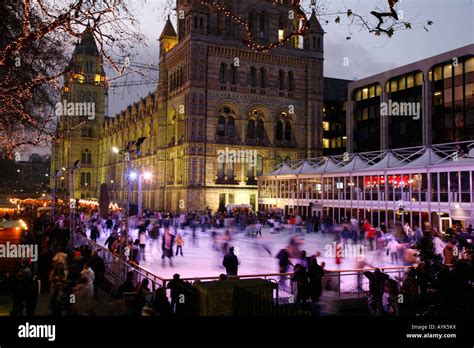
x: 260, y: 129
x: 259, y: 167
x: 250, y: 170
x: 86, y: 157
x: 291, y: 82
x: 281, y: 79
x: 230, y: 170
x: 230, y: 127
x: 220, y: 170
x: 233, y: 74
x: 253, y: 76
x: 251, y: 22
x: 279, y: 130
x: 221, y: 126
x: 281, y: 29
x: 227, y: 24
x: 201, y: 23
x: 261, y: 26
x: 195, y: 22
x: 251, y: 129
x: 263, y: 77
x: 222, y: 73
x: 288, y: 131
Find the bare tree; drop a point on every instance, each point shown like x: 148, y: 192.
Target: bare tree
x: 35, y: 44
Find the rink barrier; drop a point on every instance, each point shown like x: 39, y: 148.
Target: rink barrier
x: 345, y: 283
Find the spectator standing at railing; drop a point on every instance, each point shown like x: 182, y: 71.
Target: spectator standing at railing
x: 110, y: 241
x: 315, y: 276
x: 376, y: 288
x: 98, y: 266
x: 284, y: 263
x: 231, y: 263
x: 450, y: 253
x: 161, y: 304
x: 300, y: 277
x: 175, y: 285
x: 140, y: 299
x: 126, y: 286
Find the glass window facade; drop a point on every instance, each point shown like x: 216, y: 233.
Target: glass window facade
x: 406, y: 130
x: 453, y: 100
x: 366, y: 118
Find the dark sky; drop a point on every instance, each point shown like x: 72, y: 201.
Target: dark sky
x: 367, y: 54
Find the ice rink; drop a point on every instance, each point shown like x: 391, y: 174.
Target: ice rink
x: 200, y: 260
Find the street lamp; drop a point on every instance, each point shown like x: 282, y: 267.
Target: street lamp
x: 146, y: 176
x: 127, y: 153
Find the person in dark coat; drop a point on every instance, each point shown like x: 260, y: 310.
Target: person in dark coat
x: 127, y: 286
x: 94, y: 233
x: 175, y: 285
x: 231, y: 263
x: 98, y: 266
x: 161, y: 304
x: 167, y: 247
x: 300, y: 277
x: 315, y: 276
x: 110, y: 240
x: 376, y: 288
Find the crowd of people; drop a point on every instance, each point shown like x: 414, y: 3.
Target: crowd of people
x: 75, y: 273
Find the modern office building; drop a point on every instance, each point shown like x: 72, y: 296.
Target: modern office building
x: 427, y: 102
x: 414, y: 185
x: 334, y: 116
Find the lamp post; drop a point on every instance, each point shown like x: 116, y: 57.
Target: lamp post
x: 72, y: 202
x: 127, y: 153
x: 141, y: 176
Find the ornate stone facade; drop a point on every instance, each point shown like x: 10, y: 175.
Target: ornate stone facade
x: 214, y: 94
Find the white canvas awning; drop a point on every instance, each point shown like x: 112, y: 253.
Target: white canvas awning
x: 356, y: 163
x: 284, y: 169
x: 304, y: 168
x: 389, y: 161
x: 328, y: 166
x: 428, y: 158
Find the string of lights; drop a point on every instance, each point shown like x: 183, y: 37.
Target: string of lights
x: 248, y: 39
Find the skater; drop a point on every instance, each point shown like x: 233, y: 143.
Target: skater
x: 94, y: 233
x: 142, y: 242
x: 109, y: 224
x: 179, y: 241
x: 167, y: 247
x: 392, y: 249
